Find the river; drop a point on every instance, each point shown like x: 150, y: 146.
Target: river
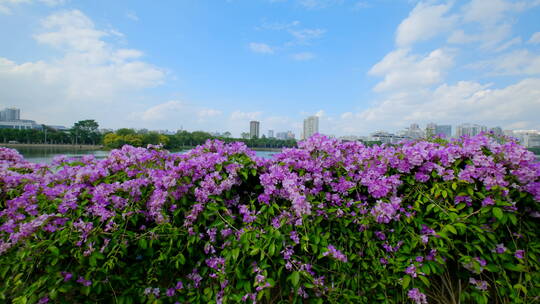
x: 46, y: 155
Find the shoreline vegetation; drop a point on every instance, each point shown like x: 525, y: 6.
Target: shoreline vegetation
x: 59, y: 146
x: 101, y: 147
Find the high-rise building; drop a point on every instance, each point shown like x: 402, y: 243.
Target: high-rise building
x: 281, y: 135
x: 413, y: 131
x: 496, y: 130
x: 444, y: 130
x: 254, y: 129
x: 13, y: 114
x: 10, y: 114
x: 528, y: 138
x: 430, y: 129
x: 290, y: 135
x: 469, y: 130
x: 270, y: 133
x: 311, y: 126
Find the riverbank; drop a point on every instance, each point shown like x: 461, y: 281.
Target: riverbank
x: 53, y: 146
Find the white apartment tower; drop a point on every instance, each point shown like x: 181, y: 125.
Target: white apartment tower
x: 254, y: 129
x: 311, y: 126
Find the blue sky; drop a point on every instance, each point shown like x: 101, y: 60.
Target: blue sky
x: 215, y: 65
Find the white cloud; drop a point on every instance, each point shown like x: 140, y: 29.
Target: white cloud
x: 165, y: 111
x: 318, y: 4
x: 462, y: 102
x: 132, y: 16
x: 240, y: 115
x: 262, y: 48
x: 402, y: 70
x: 304, y: 56
x: 305, y: 36
x: 489, y: 23
x: 173, y: 112
x: 488, y: 37
x: 535, y: 38
x: 361, y: 5
x: 208, y: 113
x: 53, y: 2
x: 490, y: 12
x: 7, y: 5
x: 414, y: 85
x: 519, y: 62
x: 424, y: 22
x: 279, y: 26
x: 88, y: 75
x: 508, y: 44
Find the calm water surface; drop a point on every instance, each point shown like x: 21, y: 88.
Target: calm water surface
x: 46, y: 155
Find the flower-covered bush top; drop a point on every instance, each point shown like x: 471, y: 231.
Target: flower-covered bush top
x: 327, y: 222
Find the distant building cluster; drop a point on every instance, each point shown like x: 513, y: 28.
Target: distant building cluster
x: 254, y: 132
x: 285, y: 135
x: 528, y: 138
x: 10, y: 118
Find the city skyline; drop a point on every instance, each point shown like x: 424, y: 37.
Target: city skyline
x: 359, y: 66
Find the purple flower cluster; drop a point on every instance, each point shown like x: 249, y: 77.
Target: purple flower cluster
x: 336, y: 254
x: 416, y: 296
x: 364, y: 187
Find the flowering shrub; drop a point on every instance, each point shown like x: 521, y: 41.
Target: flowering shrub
x: 437, y: 222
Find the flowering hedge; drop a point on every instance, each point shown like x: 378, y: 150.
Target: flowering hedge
x: 425, y: 221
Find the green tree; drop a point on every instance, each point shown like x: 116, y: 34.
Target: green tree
x: 86, y: 132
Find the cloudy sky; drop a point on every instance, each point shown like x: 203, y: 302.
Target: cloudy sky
x: 214, y: 65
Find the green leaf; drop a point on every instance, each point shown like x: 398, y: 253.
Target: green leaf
x: 444, y: 193
x: 235, y: 253
x: 271, y: 249
x: 54, y: 250
x: 498, y: 213
x: 451, y: 229
x: 424, y: 280
x: 295, y: 278
x: 406, y: 281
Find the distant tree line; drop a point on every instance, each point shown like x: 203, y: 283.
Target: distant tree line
x: 184, y: 139
x: 84, y: 132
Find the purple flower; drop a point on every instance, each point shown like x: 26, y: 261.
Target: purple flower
x: 499, y: 249
x: 294, y: 237
x: 84, y: 282
x: 336, y: 254
x: 67, y: 276
x: 179, y: 285
x: 170, y: 292
x: 418, y: 297
x: 411, y: 270
x: 43, y: 300
x: 479, y: 284
x: 520, y: 254
x: 488, y: 201
x: 380, y: 235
